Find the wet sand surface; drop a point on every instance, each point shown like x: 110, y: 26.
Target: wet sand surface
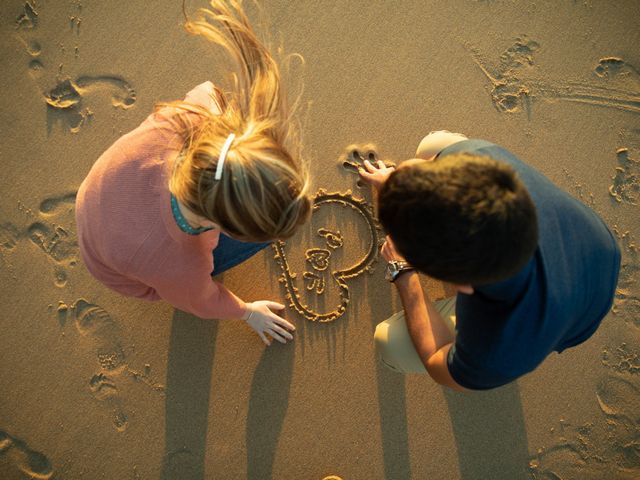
x: 94, y: 385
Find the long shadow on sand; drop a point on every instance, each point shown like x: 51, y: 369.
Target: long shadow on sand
x: 490, y: 433
x: 392, y: 405
x: 191, y: 350
x: 267, y: 409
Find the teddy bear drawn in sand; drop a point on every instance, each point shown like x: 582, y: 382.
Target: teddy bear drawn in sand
x: 322, y: 269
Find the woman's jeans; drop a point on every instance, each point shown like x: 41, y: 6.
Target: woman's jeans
x: 230, y: 253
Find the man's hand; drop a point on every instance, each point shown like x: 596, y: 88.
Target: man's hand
x: 389, y: 251
x: 261, y: 318
x: 375, y: 175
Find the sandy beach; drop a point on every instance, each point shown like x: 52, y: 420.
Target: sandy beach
x: 94, y: 385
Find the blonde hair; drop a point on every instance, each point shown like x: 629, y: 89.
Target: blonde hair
x: 263, y: 192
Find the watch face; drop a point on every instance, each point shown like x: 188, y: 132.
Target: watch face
x: 391, y: 272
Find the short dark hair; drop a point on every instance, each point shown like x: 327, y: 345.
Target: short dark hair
x: 464, y: 219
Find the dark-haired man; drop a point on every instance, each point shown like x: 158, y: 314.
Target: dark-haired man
x: 534, y: 269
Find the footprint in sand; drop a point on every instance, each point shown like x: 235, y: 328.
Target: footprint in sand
x: 619, y: 399
x: 626, y: 181
x: 622, y: 359
x: 36, y: 67
x: 28, y: 19
x: 607, y: 448
x: 54, y: 241
x: 52, y: 204
x: 629, y: 274
x: 69, y: 94
x: 9, y: 235
x: 96, y: 324
x: 18, y: 454
x: 515, y: 83
x: 70, y: 101
x: 557, y: 463
x: 617, y: 69
x: 57, y: 242
x: 102, y: 386
x: 627, y: 300
x: 67, y: 100
x: 103, y: 339
x: 94, y: 321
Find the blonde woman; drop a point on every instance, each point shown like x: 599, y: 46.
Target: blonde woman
x: 212, y: 173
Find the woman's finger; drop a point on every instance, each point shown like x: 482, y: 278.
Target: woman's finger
x: 381, y: 164
x: 264, y: 338
x: 281, y: 331
x: 277, y: 336
x: 281, y: 321
x: 275, y: 306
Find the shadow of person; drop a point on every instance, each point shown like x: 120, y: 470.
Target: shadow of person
x: 190, y: 364
x: 268, y: 404
x: 392, y: 406
x: 490, y: 433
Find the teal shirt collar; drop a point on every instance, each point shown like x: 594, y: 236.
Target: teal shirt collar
x: 182, y: 222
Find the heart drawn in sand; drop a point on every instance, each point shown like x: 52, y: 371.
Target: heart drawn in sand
x: 319, y: 258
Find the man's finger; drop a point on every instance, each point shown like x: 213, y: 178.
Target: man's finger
x: 370, y: 168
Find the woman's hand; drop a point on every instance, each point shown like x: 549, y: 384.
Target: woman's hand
x: 375, y: 175
x: 261, y: 318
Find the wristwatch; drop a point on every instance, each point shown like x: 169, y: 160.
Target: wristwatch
x: 395, y: 268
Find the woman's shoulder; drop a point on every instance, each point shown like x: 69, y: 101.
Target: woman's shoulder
x: 207, y: 96
x: 193, y: 108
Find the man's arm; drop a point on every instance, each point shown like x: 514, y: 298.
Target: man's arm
x: 429, y: 333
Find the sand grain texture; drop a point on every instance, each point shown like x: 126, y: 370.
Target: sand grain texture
x: 93, y: 385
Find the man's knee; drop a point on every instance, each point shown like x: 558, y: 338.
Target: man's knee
x: 381, y: 336
x: 437, y: 141
x: 394, y: 347
x: 382, y: 340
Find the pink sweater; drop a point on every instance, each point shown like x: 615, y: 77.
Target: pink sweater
x: 128, y: 237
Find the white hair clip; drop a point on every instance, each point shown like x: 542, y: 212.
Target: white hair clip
x: 223, y: 155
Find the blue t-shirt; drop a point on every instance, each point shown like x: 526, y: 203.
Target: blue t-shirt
x: 556, y: 301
